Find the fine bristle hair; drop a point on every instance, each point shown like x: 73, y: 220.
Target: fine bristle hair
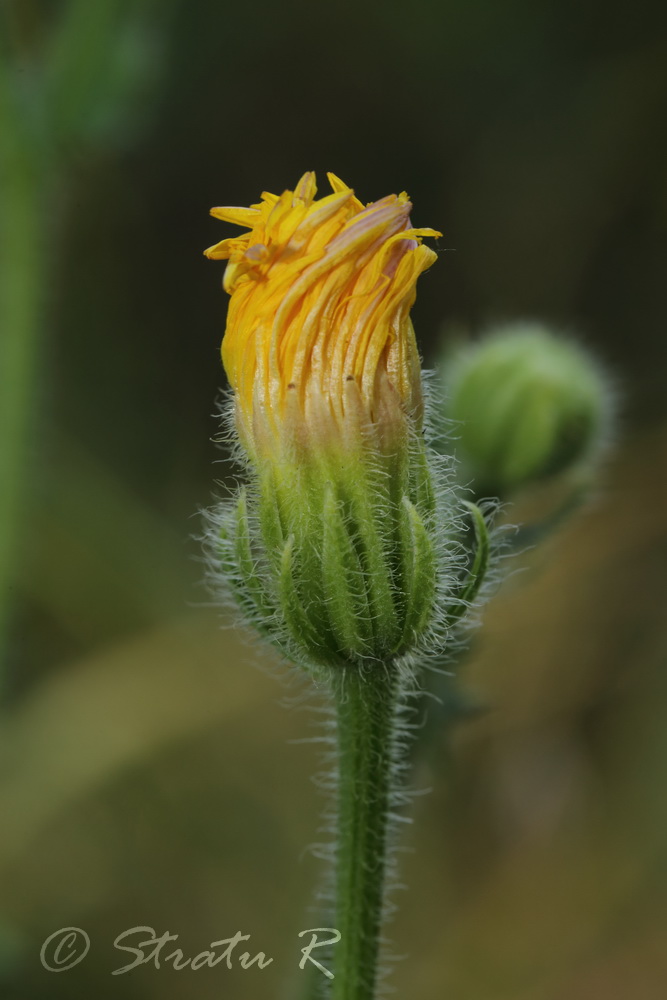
x: 433, y: 651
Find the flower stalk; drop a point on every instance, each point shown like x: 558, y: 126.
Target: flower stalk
x: 345, y: 550
x: 366, y: 706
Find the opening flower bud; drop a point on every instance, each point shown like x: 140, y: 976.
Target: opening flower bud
x: 336, y: 547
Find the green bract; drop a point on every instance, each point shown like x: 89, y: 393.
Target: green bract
x: 354, y: 557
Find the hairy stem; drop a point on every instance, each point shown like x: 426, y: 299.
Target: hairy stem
x: 366, y: 713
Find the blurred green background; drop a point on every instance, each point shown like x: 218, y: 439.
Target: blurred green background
x: 148, y: 774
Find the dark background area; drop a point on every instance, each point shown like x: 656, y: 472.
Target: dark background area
x: 149, y: 777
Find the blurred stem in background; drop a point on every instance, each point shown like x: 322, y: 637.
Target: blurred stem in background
x: 67, y: 85
x: 24, y: 261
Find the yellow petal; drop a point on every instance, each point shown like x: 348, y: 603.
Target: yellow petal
x: 239, y: 216
x: 225, y: 249
x: 337, y: 185
x: 306, y: 189
x: 320, y: 293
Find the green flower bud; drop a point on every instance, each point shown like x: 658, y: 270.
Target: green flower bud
x: 356, y: 557
x: 336, y: 561
x: 528, y: 404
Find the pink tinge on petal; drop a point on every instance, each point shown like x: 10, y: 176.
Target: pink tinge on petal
x: 256, y: 252
x: 306, y: 189
x: 325, y: 210
x: 395, y: 254
x: 382, y: 219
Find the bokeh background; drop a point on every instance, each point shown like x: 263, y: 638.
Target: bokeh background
x: 149, y: 774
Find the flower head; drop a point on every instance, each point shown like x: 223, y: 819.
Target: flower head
x: 340, y: 550
x: 319, y: 345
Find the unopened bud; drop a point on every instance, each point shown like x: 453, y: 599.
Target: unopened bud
x: 528, y: 404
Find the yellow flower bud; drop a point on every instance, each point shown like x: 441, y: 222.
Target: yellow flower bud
x: 319, y: 348
x: 344, y: 547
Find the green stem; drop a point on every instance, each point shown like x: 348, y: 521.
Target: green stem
x: 24, y: 256
x: 366, y: 713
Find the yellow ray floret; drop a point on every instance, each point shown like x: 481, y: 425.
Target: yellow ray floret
x: 320, y: 297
